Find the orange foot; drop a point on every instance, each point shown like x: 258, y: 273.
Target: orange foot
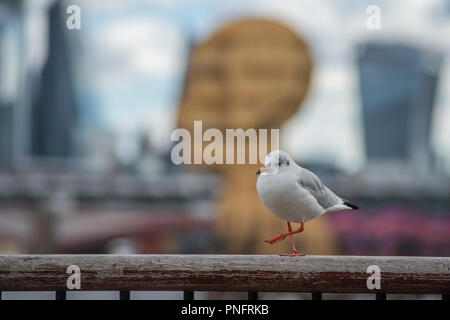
x: 276, y: 239
x: 284, y: 235
x: 294, y: 253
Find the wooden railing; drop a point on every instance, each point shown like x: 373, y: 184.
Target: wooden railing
x: 249, y: 273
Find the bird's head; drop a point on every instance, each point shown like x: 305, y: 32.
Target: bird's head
x: 275, y: 162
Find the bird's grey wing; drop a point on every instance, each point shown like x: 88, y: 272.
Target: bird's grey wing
x: 324, y: 196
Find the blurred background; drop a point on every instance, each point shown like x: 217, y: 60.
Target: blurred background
x: 86, y: 117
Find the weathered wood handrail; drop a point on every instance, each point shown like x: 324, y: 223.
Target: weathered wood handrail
x: 225, y: 273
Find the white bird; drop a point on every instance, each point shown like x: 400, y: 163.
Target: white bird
x: 294, y: 194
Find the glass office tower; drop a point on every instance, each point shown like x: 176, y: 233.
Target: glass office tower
x: 398, y: 85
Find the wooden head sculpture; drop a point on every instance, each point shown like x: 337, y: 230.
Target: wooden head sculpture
x: 250, y: 74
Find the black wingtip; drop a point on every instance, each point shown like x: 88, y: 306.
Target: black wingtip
x: 351, y: 205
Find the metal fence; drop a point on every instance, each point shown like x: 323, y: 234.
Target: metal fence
x: 248, y: 273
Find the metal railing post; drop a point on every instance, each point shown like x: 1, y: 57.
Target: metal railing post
x: 316, y: 295
x: 124, y: 295
x: 253, y: 295
x: 188, y: 295
x: 60, y: 295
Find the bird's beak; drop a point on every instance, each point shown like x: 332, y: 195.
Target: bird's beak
x: 261, y: 170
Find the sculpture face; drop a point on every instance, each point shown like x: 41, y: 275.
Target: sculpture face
x: 250, y: 74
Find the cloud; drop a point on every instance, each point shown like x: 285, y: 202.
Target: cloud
x: 115, y: 5
x: 149, y: 47
x: 129, y: 48
x: 329, y: 123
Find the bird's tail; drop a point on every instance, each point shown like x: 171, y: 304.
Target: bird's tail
x: 350, y: 205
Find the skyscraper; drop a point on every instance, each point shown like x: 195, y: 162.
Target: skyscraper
x: 398, y: 85
x: 11, y: 37
x: 54, y: 114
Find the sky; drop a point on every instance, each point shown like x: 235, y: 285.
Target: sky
x: 139, y: 52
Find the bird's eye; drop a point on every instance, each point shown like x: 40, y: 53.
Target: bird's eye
x: 279, y: 163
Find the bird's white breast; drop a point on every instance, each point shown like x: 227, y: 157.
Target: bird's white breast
x: 284, y: 197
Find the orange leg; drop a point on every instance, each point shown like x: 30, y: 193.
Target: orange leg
x: 294, y: 251
x: 284, y: 235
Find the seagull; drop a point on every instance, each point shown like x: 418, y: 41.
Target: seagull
x: 294, y: 194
